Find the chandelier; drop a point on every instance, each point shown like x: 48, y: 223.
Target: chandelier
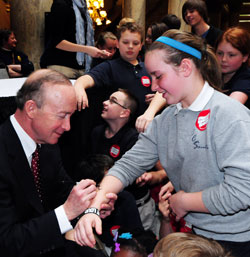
x: 96, y: 11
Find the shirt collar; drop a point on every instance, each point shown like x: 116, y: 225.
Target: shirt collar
x: 200, y: 101
x: 28, y: 144
x: 5, y: 49
x: 139, y: 64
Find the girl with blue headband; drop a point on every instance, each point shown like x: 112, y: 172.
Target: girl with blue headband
x: 202, y: 141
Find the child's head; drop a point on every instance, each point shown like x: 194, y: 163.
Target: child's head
x: 154, y: 31
x: 129, y: 41
x: 188, y: 245
x: 122, y: 104
x: 187, y: 54
x: 192, y: 6
x: 172, y: 21
x: 107, y: 41
x: 136, y: 243
x: 125, y: 20
x: 233, y: 49
x: 94, y: 167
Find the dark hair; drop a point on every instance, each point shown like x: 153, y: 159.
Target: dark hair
x: 130, y: 26
x: 141, y: 241
x: 239, y: 38
x: 157, y: 29
x: 103, y: 36
x: 4, y: 36
x: 172, y: 21
x: 33, y: 87
x: 93, y: 167
x: 131, y: 103
x: 198, y: 5
x: 208, y: 65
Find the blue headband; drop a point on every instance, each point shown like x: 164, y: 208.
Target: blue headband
x: 180, y: 46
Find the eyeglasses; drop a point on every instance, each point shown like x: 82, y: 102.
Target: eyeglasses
x: 113, y: 101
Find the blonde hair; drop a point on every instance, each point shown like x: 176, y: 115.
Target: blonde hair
x: 189, y: 245
x: 125, y: 20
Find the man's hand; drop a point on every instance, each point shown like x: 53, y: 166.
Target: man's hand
x: 107, y: 208
x: 83, y: 231
x: 79, y: 198
x: 14, y: 70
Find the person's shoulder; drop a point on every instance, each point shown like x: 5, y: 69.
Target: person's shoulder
x: 19, y: 53
x: 61, y: 6
x: 244, y: 72
x: 129, y: 130
x: 241, y: 79
x: 214, y: 32
x: 5, y: 127
x: 100, y: 67
x: 98, y: 128
x: 226, y: 108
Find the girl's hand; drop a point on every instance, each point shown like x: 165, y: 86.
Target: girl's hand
x: 177, y: 205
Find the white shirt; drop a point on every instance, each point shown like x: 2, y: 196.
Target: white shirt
x: 201, y: 100
x: 29, y: 147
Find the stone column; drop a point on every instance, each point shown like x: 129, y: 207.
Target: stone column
x: 27, y: 21
x: 175, y: 7
x: 135, y: 9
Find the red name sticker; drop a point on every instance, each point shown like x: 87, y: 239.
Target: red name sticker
x: 114, y: 151
x: 202, y: 120
x: 145, y: 80
x: 114, y: 230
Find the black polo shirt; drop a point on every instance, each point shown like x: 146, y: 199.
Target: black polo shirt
x: 118, y: 73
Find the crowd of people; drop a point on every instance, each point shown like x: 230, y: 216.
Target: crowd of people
x: 145, y: 155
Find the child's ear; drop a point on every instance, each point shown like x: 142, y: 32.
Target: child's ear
x: 186, y: 67
x: 245, y: 58
x: 125, y: 113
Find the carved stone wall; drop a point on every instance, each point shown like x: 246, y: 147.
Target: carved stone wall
x: 27, y: 21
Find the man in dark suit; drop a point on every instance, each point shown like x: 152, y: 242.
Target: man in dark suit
x: 31, y: 223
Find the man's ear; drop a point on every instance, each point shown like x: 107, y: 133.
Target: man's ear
x: 186, y: 67
x: 30, y: 108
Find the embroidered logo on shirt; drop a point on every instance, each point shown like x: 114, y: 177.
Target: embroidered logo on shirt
x: 145, y: 80
x: 114, y: 151
x: 202, y: 120
x: 19, y: 58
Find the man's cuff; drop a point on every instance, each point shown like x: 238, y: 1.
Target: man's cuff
x: 62, y: 219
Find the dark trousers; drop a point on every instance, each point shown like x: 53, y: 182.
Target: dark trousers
x: 237, y: 249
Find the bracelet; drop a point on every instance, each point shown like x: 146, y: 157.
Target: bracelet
x: 92, y: 210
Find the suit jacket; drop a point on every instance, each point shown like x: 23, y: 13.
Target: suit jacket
x: 27, y: 228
